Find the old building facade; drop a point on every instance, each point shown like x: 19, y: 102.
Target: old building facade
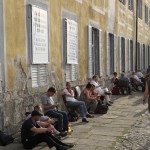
x: 49, y: 42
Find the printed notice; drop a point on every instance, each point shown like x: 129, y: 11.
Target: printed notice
x: 39, y: 35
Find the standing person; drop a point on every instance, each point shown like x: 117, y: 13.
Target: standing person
x: 32, y: 134
x: 147, y: 94
x: 71, y: 101
x: 50, y: 109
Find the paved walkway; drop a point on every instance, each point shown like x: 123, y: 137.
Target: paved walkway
x: 103, y: 131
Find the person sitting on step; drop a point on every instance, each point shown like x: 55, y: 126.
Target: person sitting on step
x: 71, y: 101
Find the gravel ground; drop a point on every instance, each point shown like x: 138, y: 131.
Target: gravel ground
x: 138, y: 138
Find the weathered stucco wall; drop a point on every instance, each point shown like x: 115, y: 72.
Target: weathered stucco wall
x: 110, y: 15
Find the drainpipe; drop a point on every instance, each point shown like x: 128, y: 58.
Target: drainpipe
x: 136, y: 39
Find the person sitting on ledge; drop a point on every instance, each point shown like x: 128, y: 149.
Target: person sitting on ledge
x: 88, y: 98
x: 50, y: 109
x: 46, y: 121
x: 103, y: 91
x: 32, y: 134
x: 71, y: 101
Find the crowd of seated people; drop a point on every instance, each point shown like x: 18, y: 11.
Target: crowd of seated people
x: 48, y: 123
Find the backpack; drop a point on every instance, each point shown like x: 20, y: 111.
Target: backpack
x: 101, y: 108
x: 5, y: 139
x: 73, y: 116
x: 115, y: 91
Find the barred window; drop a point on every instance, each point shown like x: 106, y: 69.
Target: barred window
x: 146, y: 14
x: 123, y: 1
x: 131, y: 5
x: 139, y: 8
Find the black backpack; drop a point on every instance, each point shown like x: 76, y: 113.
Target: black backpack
x: 5, y: 139
x: 73, y: 116
x: 101, y: 108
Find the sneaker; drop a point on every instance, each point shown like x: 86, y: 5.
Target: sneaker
x: 85, y: 120
x: 111, y: 102
x: 62, y: 134
x: 89, y: 116
x: 108, y: 104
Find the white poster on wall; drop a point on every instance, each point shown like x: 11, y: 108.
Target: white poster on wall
x: 72, y: 42
x: 39, y: 35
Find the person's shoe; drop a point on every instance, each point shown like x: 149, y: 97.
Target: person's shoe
x: 69, y: 145
x: 89, y: 116
x: 62, y: 134
x: 111, y: 102
x: 108, y: 104
x: 63, y: 148
x: 84, y: 120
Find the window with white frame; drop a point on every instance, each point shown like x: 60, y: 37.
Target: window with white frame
x: 148, y: 55
x: 143, y: 52
x: 138, y: 55
x: 70, y: 49
x: 122, y: 53
x: 94, y: 51
x: 37, y: 27
x: 146, y: 14
x: 140, y: 8
x: 131, y: 5
x: 111, y: 53
x: 131, y: 58
x: 123, y: 1
x: 149, y: 18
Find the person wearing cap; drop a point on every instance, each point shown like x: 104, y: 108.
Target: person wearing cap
x: 103, y: 91
x: 32, y: 134
x: 46, y: 121
x: 50, y: 110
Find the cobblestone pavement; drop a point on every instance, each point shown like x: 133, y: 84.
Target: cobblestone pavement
x: 104, y: 131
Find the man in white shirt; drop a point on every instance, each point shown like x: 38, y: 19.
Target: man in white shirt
x: 139, y: 74
x: 100, y: 90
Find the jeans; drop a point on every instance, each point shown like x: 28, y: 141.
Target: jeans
x: 62, y: 124
x: 81, y: 105
x: 91, y: 106
x: 43, y: 137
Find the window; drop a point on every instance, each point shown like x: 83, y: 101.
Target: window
x: 131, y: 5
x: 122, y: 54
x: 2, y: 50
x: 146, y: 14
x: 131, y: 58
x: 39, y: 75
x: 111, y: 53
x: 148, y: 55
x: 38, y: 45
x: 139, y: 8
x: 149, y: 18
x: 143, y: 56
x: 138, y: 56
x: 70, y: 49
x: 95, y: 51
x: 123, y: 1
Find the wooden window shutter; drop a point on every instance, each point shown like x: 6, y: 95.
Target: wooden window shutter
x: 107, y: 53
x: 73, y: 72
x: 129, y: 55
x: 100, y: 53
x: 90, y: 67
x: 0, y: 78
x: 70, y: 69
x: 115, y: 49
x: 43, y: 75
x: 34, y: 75
x: 120, y: 57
